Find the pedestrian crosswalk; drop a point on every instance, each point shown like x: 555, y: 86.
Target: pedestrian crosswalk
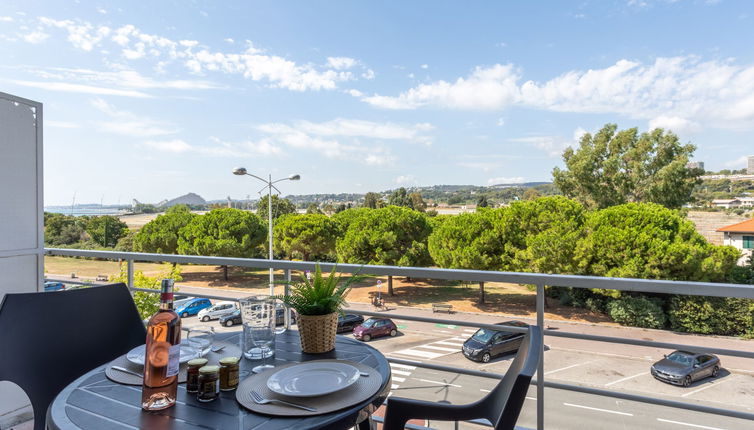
x: 400, y: 373
x: 432, y: 350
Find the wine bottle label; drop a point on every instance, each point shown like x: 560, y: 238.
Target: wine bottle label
x: 174, y: 356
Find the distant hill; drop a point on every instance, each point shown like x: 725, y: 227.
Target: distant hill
x: 189, y: 199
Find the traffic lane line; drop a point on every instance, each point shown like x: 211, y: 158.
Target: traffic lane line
x: 699, y: 426
x: 447, y: 384
x: 439, y: 348
x: 710, y: 385
x: 609, y: 411
x: 625, y: 379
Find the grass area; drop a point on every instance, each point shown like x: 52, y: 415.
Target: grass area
x: 500, y: 298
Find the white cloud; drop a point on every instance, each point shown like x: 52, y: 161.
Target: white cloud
x: 553, y: 146
x: 216, y: 148
x: 36, y: 37
x: 78, y: 88
x: 684, y: 91
x: 674, y: 123
x: 102, y: 10
x: 738, y: 163
x: 229, y: 40
x: 252, y: 63
x: 425, y: 66
x: 6, y: 19
x: 405, y: 180
x: 128, y: 124
x: 355, y: 93
x: 506, y: 180
x: 341, y: 63
x: 500, y: 122
x: 484, y: 89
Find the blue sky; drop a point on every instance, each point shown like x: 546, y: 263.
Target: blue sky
x: 150, y: 100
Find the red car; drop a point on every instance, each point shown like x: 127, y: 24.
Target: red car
x: 375, y: 327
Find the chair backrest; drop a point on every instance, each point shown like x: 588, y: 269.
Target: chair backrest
x: 47, y: 340
x: 503, y: 404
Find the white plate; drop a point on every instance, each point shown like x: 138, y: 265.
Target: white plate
x: 136, y: 355
x: 311, y: 379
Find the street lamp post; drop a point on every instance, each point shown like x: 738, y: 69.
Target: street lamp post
x: 269, y: 184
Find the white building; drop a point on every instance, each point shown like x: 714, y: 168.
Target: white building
x: 726, y: 203
x: 741, y: 236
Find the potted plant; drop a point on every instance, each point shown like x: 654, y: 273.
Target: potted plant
x: 318, y: 301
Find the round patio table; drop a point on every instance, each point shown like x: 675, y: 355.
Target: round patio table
x: 93, y: 402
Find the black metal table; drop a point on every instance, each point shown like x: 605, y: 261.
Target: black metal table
x: 93, y: 402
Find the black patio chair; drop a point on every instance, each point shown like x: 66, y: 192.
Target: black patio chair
x: 500, y: 407
x: 47, y: 340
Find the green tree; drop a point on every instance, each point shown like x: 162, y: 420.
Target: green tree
x: 148, y: 303
x: 611, y: 168
x: 531, y: 194
x: 390, y: 236
x: 467, y: 241
x: 62, y: 229
x: 372, y: 200
x: 348, y: 216
x: 309, y: 236
x: 223, y: 233
x: 400, y: 197
x: 648, y: 241
x: 313, y: 208
x: 160, y: 235
x: 280, y: 207
x: 417, y: 203
x: 106, y: 230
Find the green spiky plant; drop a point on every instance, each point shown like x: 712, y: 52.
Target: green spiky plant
x: 321, y: 295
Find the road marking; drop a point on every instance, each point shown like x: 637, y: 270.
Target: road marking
x: 439, y: 383
x: 710, y: 385
x: 445, y: 342
x: 415, y: 353
x: 460, y: 339
x: 400, y: 372
x: 439, y: 348
x: 470, y: 330
x: 485, y: 391
x: 625, y: 379
x: 690, y: 425
x: 450, y: 326
x: 531, y: 398
x: 393, y: 386
x: 567, y: 367
x: 396, y: 378
x: 403, y: 366
x: 444, y: 331
x: 599, y: 410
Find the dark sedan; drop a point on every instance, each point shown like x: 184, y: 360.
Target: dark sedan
x: 486, y: 344
x: 234, y: 318
x: 683, y: 367
x: 348, y: 321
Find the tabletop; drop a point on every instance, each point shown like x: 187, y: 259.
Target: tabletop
x: 95, y: 402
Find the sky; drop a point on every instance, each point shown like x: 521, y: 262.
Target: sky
x: 152, y: 100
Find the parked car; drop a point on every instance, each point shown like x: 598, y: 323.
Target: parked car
x: 192, y: 307
x: 684, y: 367
x: 487, y: 344
x: 233, y: 318
x: 375, y: 327
x: 54, y: 286
x: 348, y: 321
x: 217, y: 310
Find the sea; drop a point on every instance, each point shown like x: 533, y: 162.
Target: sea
x: 86, y: 210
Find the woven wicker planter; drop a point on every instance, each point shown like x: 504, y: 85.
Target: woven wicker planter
x: 317, y: 332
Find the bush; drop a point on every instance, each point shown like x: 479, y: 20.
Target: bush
x: 637, y: 311
x: 712, y: 315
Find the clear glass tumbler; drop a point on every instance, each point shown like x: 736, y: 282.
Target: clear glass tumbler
x: 260, y: 316
x: 200, y: 339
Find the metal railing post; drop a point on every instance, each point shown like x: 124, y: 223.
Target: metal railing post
x: 130, y: 265
x: 541, y: 368
x: 287, y: 292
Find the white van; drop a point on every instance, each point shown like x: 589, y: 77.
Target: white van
x: 217, y: 310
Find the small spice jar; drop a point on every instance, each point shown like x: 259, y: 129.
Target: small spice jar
x: 229, y: 373
x: 209, y: 383
x: 192, y: 374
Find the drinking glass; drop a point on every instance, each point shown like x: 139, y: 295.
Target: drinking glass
x: 259, y: 315
x: 200, y: 339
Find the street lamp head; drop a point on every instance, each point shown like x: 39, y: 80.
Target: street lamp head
x: 294, y: 177
x: 239, y: 171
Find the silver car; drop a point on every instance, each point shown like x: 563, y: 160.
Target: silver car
x: 217, y: 310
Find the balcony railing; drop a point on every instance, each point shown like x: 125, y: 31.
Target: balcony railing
x: 537, y: 279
